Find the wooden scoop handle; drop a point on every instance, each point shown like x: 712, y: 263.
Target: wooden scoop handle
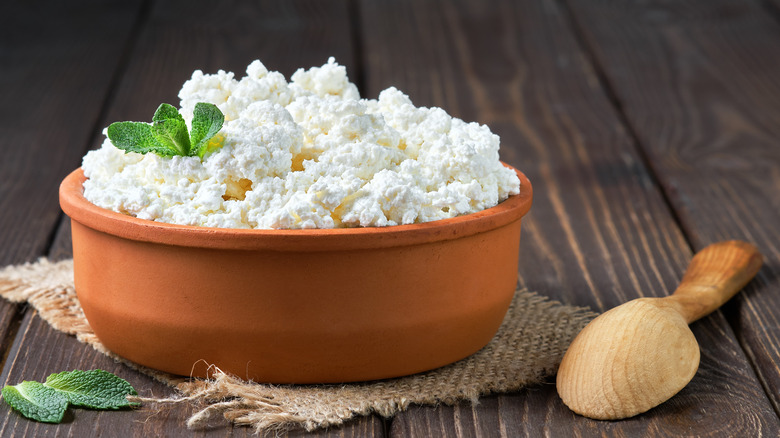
x: 715, y: 274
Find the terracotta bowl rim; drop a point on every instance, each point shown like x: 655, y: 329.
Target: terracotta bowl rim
x: 75, y: 205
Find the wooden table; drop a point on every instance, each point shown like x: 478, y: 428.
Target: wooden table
x: 648, y: 128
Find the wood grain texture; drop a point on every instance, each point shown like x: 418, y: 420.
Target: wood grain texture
x: 599, y: 232
x: 538, y: 411
x: 54, y: 80
x: 696, y: 81
x: 174, y: 39
x: 182, y: 36
x: 703, y: 97
x: 40, y: 351
x: 715, y: 275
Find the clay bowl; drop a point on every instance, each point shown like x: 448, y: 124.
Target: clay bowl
x: 294, y: 306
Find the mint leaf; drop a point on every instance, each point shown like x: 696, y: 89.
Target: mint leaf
x: 167, y: 135
x: 137, y: 137
x: 207, y: 120
x: 96, y: 389
x: 36, y: 401
x: 168, y: 128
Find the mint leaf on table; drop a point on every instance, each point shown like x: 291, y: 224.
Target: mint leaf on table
x: 167, y: 134
x: 168, y: 128
x: 48, y: 401
x: 96, y: 389
x: 36, y: 401
x: 207, y: 120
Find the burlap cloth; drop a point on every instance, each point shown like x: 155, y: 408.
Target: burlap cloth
x: 528, y: 347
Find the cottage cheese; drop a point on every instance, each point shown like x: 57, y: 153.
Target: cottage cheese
x: 307, y: 154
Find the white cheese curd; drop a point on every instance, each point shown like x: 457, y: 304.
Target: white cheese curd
x: 307, y: 154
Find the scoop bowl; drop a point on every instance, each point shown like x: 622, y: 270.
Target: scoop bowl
x: 294, y: 306
x: 638, y: 355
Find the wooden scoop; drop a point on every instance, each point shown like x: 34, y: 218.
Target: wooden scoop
x: 639, y: 354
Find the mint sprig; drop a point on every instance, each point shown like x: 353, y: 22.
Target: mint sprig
x: 48, y: 401
x: 167, y: 134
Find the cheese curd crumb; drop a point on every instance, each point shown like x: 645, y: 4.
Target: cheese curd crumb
x: 309, y: 153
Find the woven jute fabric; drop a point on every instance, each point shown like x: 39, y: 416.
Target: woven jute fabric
x: 527, y: 348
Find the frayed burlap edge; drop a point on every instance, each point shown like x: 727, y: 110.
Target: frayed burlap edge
x: 527, y: 348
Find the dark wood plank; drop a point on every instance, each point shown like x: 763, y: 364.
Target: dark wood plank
x: 177, y: 38
x: 537, y: 411
x: 183, y: 36
x: 773, y: 7
x: 55, y: 352
x: 599, y: 232
x: 40, y: 351
x: 54, y: 80
x: 703, y: 97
